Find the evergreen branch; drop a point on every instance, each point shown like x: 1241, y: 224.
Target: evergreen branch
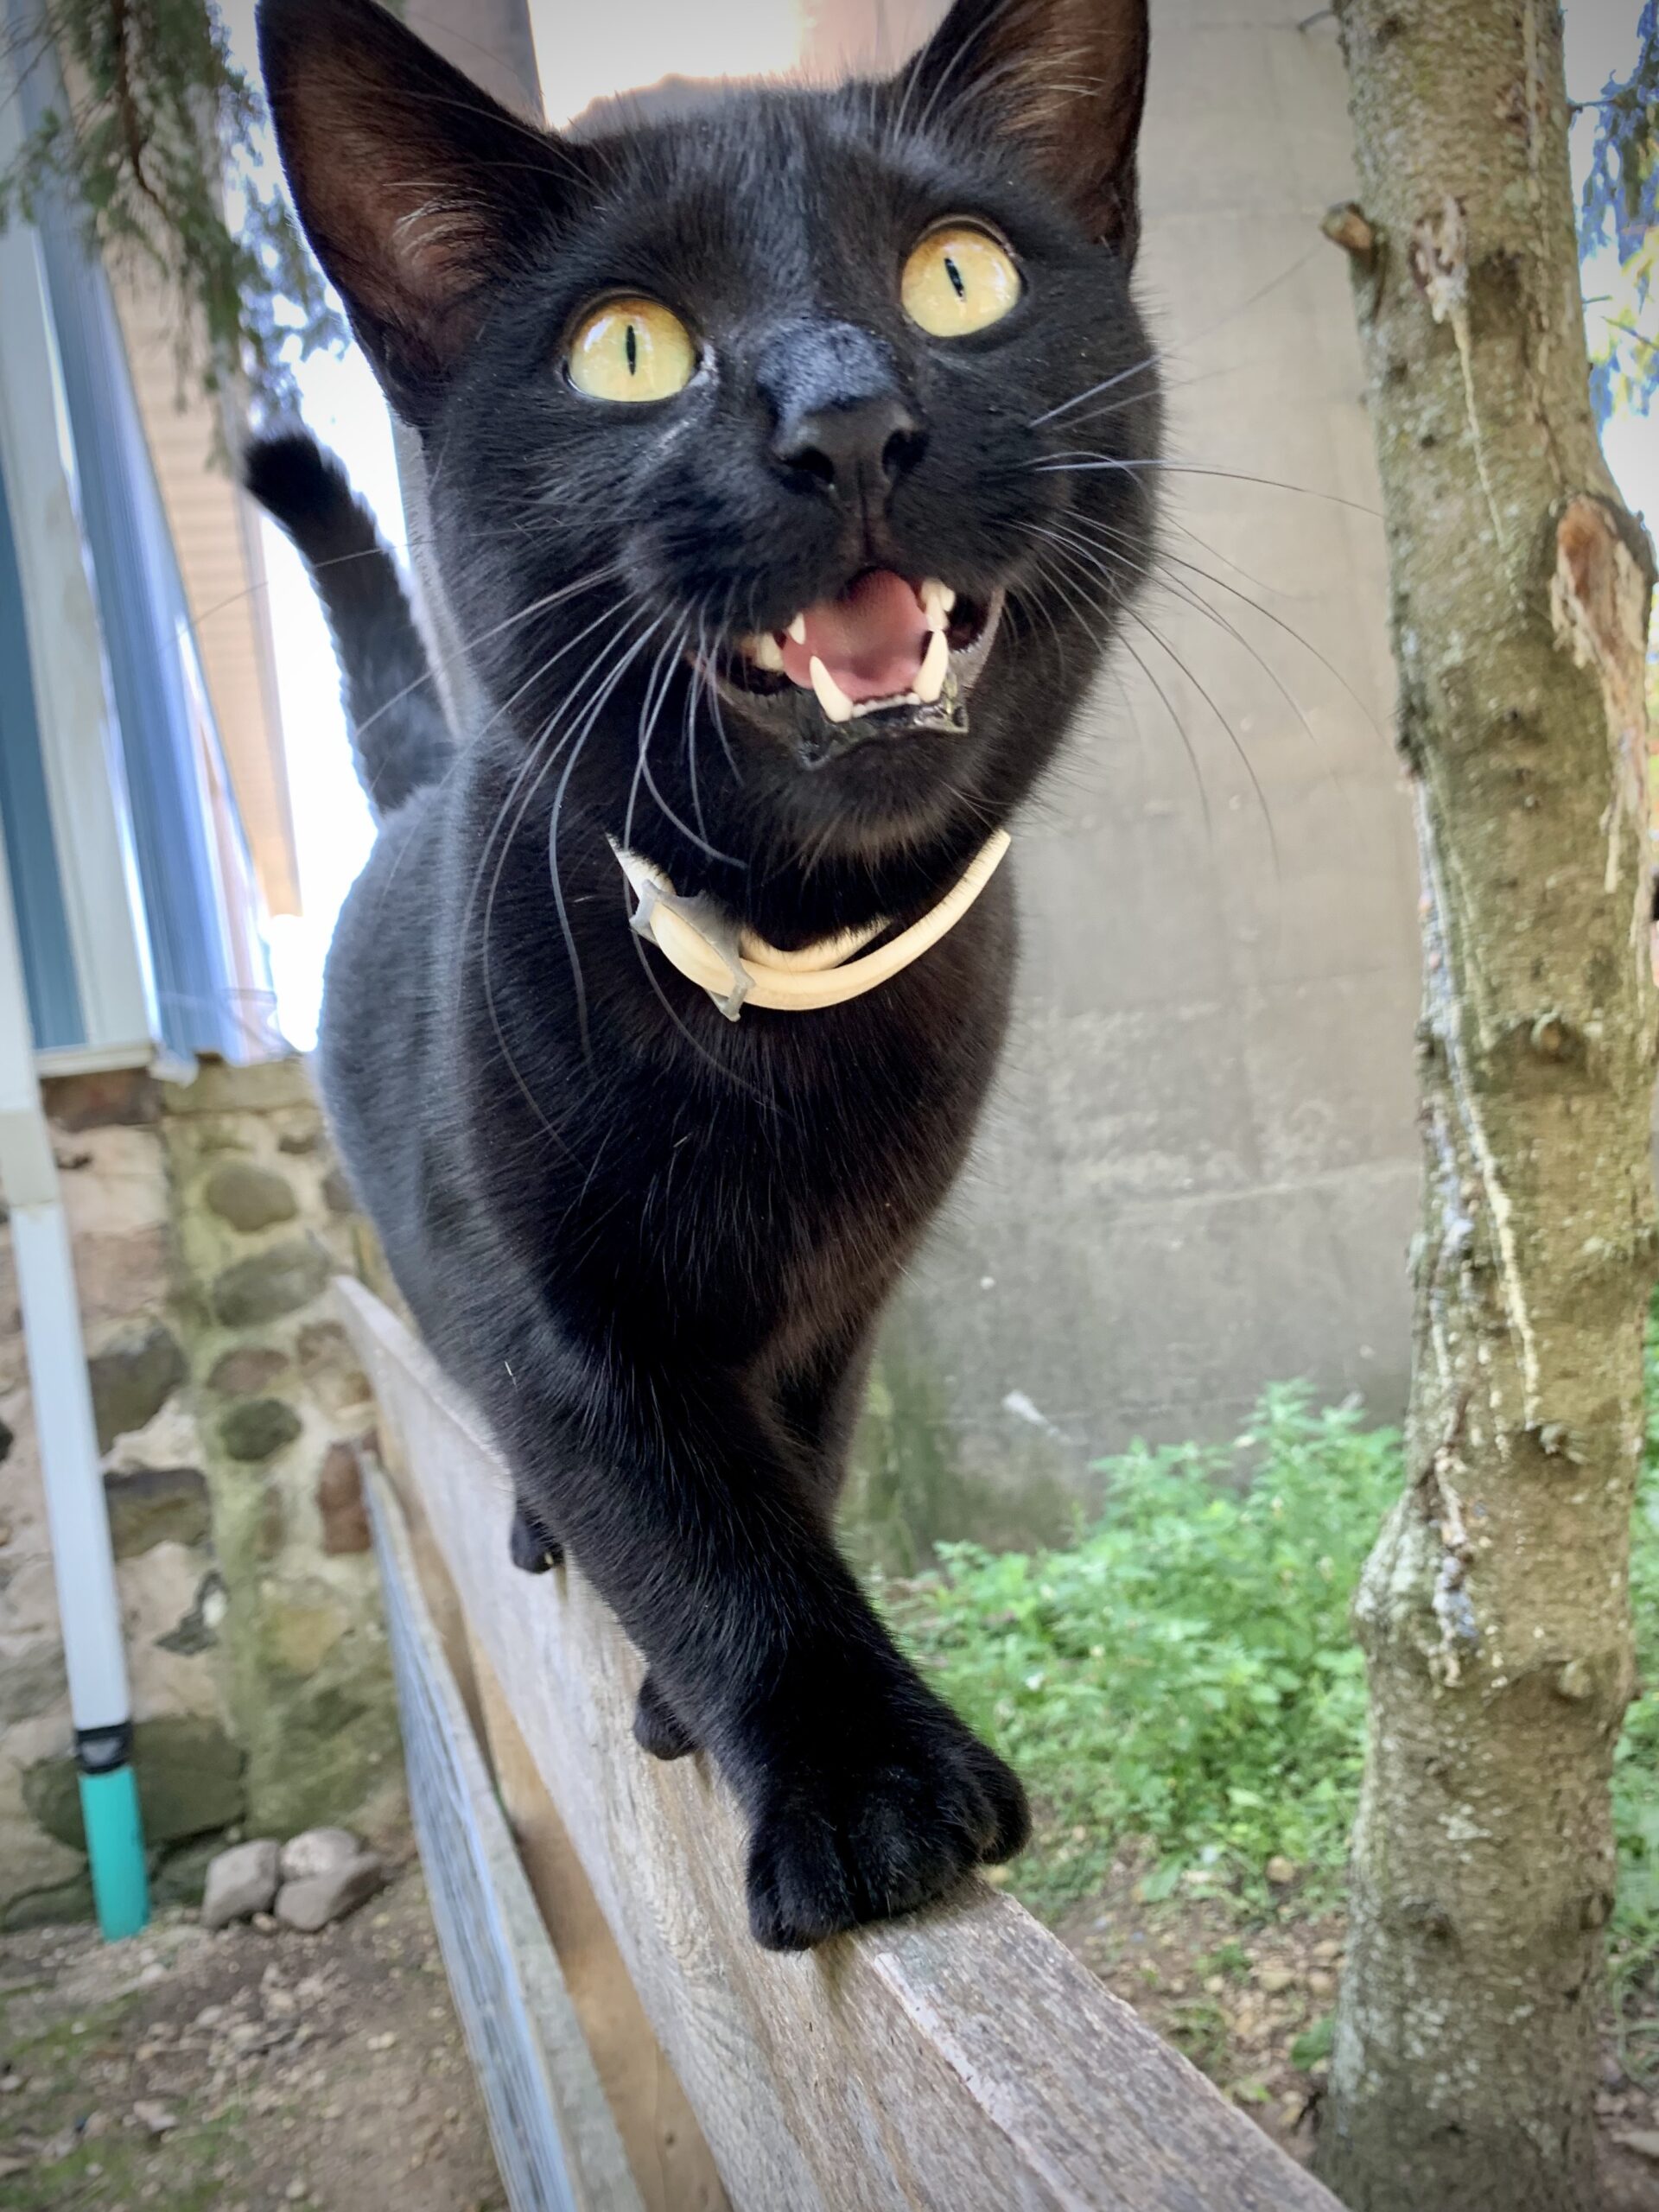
x: 139, y: 150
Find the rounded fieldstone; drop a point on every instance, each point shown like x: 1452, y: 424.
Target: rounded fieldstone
x: 271, y: 1532
x: 132, y: 1378
x: 300, y: 1633
x: 248, y: 1197
x: 313, y: 1903
x: 340, y: 1503
x: 157, y: 1505
x: 246, y: 1371
x: 31, y: 1678
x: 268, y: 1284
x: 329, y: 1365
x: 61, y: 1905
x: 189, y: 1780
x: 258, y: 1427
x: 318, y: 1850
x: 241, y: 1882
x: 337, y: 1193
x: 114, y: 1098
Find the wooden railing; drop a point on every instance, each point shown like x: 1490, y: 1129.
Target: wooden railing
x: 960, y: 2060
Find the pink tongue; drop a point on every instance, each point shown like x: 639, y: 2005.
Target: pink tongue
x: 871, y: 640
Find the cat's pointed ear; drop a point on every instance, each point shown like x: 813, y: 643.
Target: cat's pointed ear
x: 416, y: 189
x: 1065, y: 80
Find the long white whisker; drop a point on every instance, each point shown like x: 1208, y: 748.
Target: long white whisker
x: 656, y: 695
x: 1191, y: 468
x: 507, y: 831
x: 1164, y: 354
x: 616, y: 610
x: 692, y: 689
x: 569, y: 935
x: 1200, y: 606
x: 483, y: 638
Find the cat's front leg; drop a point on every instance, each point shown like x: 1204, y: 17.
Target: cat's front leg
x: 687, y: 1506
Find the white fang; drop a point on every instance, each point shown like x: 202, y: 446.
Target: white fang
x: 834, y: 701
x: 930, y: 676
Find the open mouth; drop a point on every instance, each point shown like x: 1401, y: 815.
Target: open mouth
x: 886, y: 656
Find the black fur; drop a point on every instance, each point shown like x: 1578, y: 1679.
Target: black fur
x: 653, y: 1245
x: 398, y: 733
x: 657, y: 1728
x: 530, y: 1547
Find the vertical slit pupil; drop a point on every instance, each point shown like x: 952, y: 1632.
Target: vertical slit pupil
x: 955, y: 274
x: 632, y: 343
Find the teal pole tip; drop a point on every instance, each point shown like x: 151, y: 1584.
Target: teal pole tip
x: 115, y: 1845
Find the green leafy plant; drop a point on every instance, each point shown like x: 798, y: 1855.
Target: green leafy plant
x: 1181, y: 1686
x: 1181, y: 1681
x: 143, y: 146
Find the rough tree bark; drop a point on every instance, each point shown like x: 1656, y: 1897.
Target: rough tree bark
x: 1494, y: 1609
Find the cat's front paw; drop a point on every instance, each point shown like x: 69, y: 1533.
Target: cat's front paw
x: 878, y: 1830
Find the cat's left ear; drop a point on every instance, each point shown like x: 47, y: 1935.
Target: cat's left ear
x: 419, y: 194
x: 1065, y: 81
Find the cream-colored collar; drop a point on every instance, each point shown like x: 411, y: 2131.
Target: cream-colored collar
x: 738, y: 969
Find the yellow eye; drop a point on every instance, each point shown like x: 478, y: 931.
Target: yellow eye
x: 959, y: 280
x: 631, y: 349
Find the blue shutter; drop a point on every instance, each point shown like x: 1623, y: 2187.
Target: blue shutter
x: 142, y: 604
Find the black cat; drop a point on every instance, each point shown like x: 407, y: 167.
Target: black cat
x: 785, y: 458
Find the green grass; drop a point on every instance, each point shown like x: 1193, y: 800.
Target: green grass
x: 1181, y: 1684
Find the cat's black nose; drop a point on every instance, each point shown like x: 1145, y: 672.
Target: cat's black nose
x: 856, y: 453
x: 840, y: 422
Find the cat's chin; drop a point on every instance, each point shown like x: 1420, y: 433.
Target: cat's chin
x: 793, y: 716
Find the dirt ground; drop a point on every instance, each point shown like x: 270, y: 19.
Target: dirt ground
x: 236, y: 2072
x: 258, y: 2068
x: 1251, y: 2002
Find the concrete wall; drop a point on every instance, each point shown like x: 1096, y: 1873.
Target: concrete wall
x: 1200, y: 1173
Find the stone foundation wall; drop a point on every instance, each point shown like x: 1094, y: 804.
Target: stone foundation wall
x: 207, y: 1221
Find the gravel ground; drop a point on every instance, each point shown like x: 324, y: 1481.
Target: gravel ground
x: 236, y: 2072
x: 259, y: 2068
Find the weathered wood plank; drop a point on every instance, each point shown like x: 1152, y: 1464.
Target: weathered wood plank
x: 959, y: 2061
x: 503, y: 1928
x: 672, y: 2165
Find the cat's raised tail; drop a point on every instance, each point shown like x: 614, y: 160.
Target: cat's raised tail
x: 399, y: 737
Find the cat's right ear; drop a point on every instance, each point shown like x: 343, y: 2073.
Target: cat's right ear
x: 416, y: 190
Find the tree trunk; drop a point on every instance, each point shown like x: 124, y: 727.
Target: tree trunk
x: 1494, y: 1609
